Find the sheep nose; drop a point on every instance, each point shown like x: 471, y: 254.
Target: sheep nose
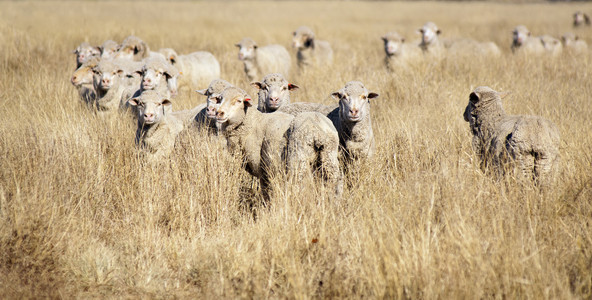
x: 106, y: 81
x: 220, y: 114
x: 74, y: 79
x: 354, y: 111
x: 148, y: 115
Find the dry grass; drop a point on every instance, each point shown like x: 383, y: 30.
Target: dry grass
x: 82, y: 216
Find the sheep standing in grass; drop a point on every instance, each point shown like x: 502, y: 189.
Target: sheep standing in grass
x: 205, y: 114
x: 430, y: 44
x: 109, y: 84
x: 352, y: 121
x: 84, y: 52
x: 398, y: 54
x: 580, y: 19
x: 311, y: 51
x: 573, y: 44
x: 531, y: 142
x: 263, y: 60
x: 197, y: 69
x: 157, y: 127
x: 82, y: 79
x: 263, y: 139
x: 108, y: 49
x: 523, y: 42
x: 274, y: 92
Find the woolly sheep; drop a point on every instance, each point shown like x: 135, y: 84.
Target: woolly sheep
x: 134, y: 48
x: 531, y: 142
x: 397, y: 53
x: 205, y: 114
x: 84, y: 52
x: 310, y: 50
x: 573, y: 44
x: 430, y: 44
x: 263, y: 60
x: 157, y: 127
x: 264, y: 139
x: 109, y: 84
x: 82, y: 79
x: 580, y: 18
x: 523, y: 42
x: 108, y: 49
x: 352, y: 121
x: 552, y: 45
x: 274, y: 92
x: 197, y: 69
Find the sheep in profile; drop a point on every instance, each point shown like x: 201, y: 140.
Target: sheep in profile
x: 430, y: 44
x: 134, y: 48
x: 310, y: 50
x: 108, y: 84
x: 531, y: 142
x: 82, y: 79
x: 552, y: 45
x: 274, y: 92
x: 84, y: 52
x: 573, y: 44
x: 108, y: 49
x: 263, y: 60
x: 523, y: 42
x: 157, y: 127
x: 352, y: 121
x: 580, y: 19
x: 398, y: 54
x: 264, y: 140
x: 197, y: 69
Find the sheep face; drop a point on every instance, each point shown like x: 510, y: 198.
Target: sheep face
x: 84, y: 52
x: 84, y: 74
x: 169, y: 54
x: 568, y: 39
x: 153, y: 77
x: 108, y: 49
x: 274, y: 91
x: 233, y: 108
x: 519, y: 35
x: 152, y: 107
x: 106, y: 75
x: 132, y: 48
x: 580, y: 18
x: 246, y: 49
x: 354, y: 101
x: 392, y: 43
x: 303, y: 38
x: 429, y: 33
x: 214, y: 96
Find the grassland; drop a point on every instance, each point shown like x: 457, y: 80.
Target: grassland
x: 82, y: 216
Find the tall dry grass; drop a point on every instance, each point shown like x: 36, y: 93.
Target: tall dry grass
x: 81, y: 215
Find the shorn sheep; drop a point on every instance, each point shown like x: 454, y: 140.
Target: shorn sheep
x: 82, y: 79
x: 196, y: 69
x: 531, y: 142
x: 263, y: 60
x: 311, y: 51
x: 265, y: 140
x: 84, y: 52
x: 157, y: 127
x: 580, y: 19
x: 274, y: 92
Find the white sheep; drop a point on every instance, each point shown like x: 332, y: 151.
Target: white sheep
x: 263, y: 60
x: 82, y: 79
x: 108, y: 49
x: 430, y: 43
x: 552, y: 45
x: 580, y: 18
x: 273, y: 91
x: 311, y: 51
x: 109, y: 84
x: 465, y: 46
x: 572, y: 44
x: 531, y: 142
x: 523, y: 42
x: 197, y: 69
x: 84, y: 52
x: 264, y: 139
x: 134, y: 48
x: 157, y: 127
x: 397, y: 53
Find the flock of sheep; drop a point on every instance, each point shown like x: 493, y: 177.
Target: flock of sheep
x: 303, y: 138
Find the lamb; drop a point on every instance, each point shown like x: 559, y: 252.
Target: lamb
x: 531, y: 142
x: 197, y: 69
x: 108, y: 84
x: 157, y: 127
x: 274, y: 92
x: 552, y: 45
x: 134, y: 48
x: 430, y: 44
x: 353, y: 123
x: 310, y: 50
x: 523, y: 41
x: 84, y: 52
x: 82, y: 79
x: 263, y: 60
x: 398, y: 54
x: 580, y: 18
x: 108, y: 49
x: 573, y: 44
x: 265, y: 140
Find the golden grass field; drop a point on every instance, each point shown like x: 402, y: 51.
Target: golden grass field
x: 82, y: 216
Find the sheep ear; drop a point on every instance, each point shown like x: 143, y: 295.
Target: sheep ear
x: 203, y: 92
x: 257, y: 85
x: 255, y: 46
x: 419, y: 31
x: 292, y: 87
x: 133, y: 101
x: 383, y: 38
x: 166, y: 102
x: 438, y: 31
x: 247, y: 102
x: 119, y: 72
x: 372, y: 95
x: 402, y: 40
x: 529, y: 33
x: 237, y: 45
x: 337, y: 95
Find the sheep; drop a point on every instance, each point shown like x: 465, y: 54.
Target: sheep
x: 84, y: 52
x: 197, y: 69
x: 398, y: 54
x: 82, y: 79
x: 531, y: 142
x: 552, y: 45
x: 573, y: 44
x: 109, y: 84
x: 205, y: 114
x: 310, y: 50
x: 264, y: 140
x: 353, y: 123
x: 466, y: 46
x: 134, y: 48
x: 273, y: 91
x: 263, y: 60
x: 580, y: 18
x: 430, y: 44
x: 527, y: 44
x: 300, y: 107
x: 157, y: 127
x: 108, y: 49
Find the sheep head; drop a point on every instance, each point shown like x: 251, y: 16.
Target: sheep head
x: 429, y: 33
x: 392, y: 43
x: 233, y: 108
x: 214, y: 96
x: 303, y: 38
x: 354, y: 101
x: 246, y: 49
x: 84, y: 52
x: 133, y: 48
x: 84, y: 74
x: 170, y: 54
x: 519, y: 35
x: 274, y: 91
x: 108, y: 49
x: 152, y: 107
x: 106, y: 75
